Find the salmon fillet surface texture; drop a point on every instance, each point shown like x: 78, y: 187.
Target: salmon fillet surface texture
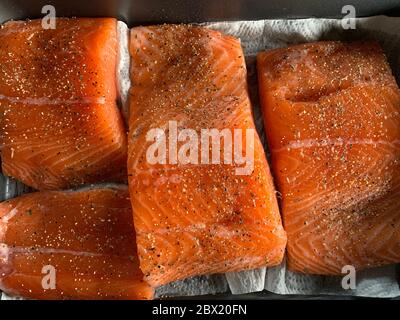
x: 87, y: 236
x: 332, y: 117
x: 190, y: 218
x: 60, y: 125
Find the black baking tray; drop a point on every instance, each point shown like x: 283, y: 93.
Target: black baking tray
x: 139, y: 12
x: 136, y: 12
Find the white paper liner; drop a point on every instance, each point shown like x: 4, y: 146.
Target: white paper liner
x: 123, y: 79
x: 196, y: 286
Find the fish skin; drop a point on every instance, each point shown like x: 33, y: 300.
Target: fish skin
x: 87, y: 235
x: 60, y: 126
x: 194, y: 219
x: 332, y: 117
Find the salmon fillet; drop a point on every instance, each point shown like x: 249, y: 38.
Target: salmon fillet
x: 60, y: 125
x: 195, y: 218
x: 332, y: 118
x: 86, y: 235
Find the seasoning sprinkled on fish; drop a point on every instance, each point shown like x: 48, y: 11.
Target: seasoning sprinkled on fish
x: 70, y: 245
x: 196, y: 218
x: 332, y: 118
x: 60, y: 125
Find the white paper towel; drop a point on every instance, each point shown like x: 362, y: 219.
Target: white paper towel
x: 123, y: 64
x: 196, y: 286
x: 262, y: 35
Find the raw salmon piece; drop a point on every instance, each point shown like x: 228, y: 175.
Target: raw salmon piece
x: 332, y: 118
x: 190, y: 218
x: 86, y: 235
x: 59, y: 146
x: 60, y: 125
x: 75, y: 61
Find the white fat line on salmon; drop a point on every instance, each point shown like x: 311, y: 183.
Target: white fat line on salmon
x: 6, y: 251
x: 7, y: 217
x: 215, y: 228
x: 4, y: 224
x: 48, y: 271
x: 195, y: 149
x: 47, y: 101
x: 309, y: 143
